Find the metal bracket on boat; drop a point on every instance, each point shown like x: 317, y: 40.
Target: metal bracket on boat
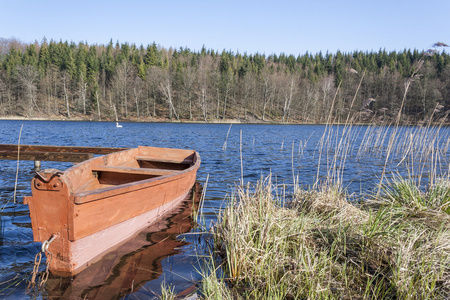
x: 48, y: 180
x: 45, y: 244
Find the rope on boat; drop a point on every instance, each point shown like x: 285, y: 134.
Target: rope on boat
x: 37, y: 262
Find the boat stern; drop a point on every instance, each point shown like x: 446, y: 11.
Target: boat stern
x: 50, y: 208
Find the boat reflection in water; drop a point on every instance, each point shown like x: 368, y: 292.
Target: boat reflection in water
x: 133, y: 264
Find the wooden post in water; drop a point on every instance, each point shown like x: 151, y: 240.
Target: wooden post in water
x: 37, y: 165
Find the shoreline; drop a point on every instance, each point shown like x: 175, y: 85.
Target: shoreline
x: 223, y: 121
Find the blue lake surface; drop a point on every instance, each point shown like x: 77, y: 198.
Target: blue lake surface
x: 229, y: 154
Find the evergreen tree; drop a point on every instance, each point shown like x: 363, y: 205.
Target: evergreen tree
x: 92, y: 66
x: 30, y: 57
x: 151, y: 58
x: 68, y: 64
x: 142, y: 69
x: 44, y: 59
x: 12, y: 61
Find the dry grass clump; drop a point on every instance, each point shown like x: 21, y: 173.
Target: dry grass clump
x: 320, y: 245
x: 328, y: 201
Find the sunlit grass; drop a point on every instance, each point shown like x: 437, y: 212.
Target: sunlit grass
x: 322, y: 246
x: 167, y: 292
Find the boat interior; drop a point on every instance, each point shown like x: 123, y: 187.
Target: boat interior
x: 139, y: 168
x: 146, y: 168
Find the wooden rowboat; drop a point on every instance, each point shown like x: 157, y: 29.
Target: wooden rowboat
x: 96, y: 205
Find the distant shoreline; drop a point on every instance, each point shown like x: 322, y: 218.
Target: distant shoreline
x: 226, y: 121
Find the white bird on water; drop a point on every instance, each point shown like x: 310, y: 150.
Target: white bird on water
x: 117, y: 125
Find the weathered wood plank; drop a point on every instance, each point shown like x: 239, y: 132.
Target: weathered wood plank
x: 53, y: 153
x: 46, y: 156
x: 71, y: 149
x: 128, y: 170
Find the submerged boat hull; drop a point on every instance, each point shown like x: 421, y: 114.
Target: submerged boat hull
x: 93, y: 207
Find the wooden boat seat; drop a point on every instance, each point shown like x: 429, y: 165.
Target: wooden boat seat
x: 129, y: 170
x: 183, y: 161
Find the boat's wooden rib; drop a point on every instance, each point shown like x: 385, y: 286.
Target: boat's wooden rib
x: 129, y: 170
x: 105, y: 200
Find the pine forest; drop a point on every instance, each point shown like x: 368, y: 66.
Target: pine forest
x: 121, y: 81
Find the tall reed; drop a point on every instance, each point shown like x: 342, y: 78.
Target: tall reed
x: 18, y: 162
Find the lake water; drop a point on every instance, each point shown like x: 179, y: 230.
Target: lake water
x: 229, y: 154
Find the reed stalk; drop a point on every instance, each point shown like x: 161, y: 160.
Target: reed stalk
x: 397, y: 120
x: 354, y: 98
x: 18, y: 163
x: 197, y: 214
x: 224, y: 147
x: 240, y: 155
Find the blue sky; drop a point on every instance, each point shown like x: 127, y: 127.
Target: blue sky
x: 292, y: 27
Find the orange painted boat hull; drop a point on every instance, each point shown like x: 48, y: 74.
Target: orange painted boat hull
x: 129, y: 267
x: 95, y: 206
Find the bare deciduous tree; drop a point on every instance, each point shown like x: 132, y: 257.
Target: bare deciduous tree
x: 189, y: 77
x: 137, y: 91
x: 288, y: 94
x: 267, y: 91
x: 5, y: 97
x: 152, y: 82
x: 83, y: 89
x: 28, y: 77
x: 65, y: 79
x: 97, y: 100
x: 122, y: 80
x: 202, y: 84
x: 326, y: 85
x: 165, y: 87
x: 247, y: 91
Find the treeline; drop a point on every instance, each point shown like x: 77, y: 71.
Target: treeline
x: 143, y: 83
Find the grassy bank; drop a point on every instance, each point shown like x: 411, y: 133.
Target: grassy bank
x: 320, y: 245
x: 323, y: 243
